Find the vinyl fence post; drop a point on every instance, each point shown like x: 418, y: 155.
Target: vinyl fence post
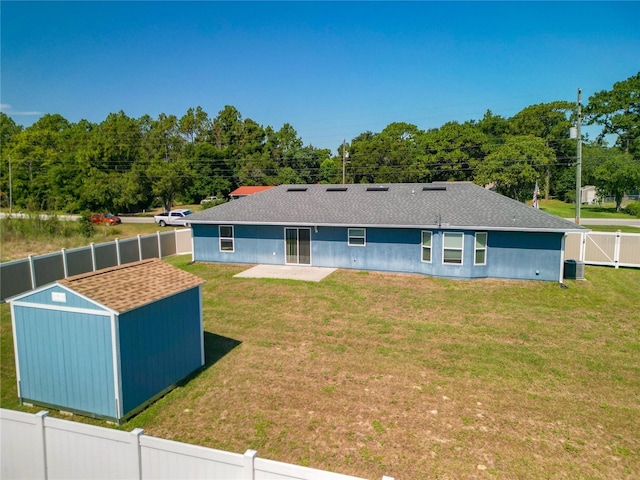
x: 117, y: 243
x: 93, y: 256
x: 249, y: 467
x: 41, y: 446
x: 159, y: 246
x: 139, y: 248
x: 136, y: 457
x: 616, y: 250
x: 32, y: 271
x: 64, y: 263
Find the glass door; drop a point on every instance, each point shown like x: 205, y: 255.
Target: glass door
x: 297, y: 246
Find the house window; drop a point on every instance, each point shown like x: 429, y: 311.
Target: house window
x: 452, y: 247
x: 426, y: 246
x: 481, y: 248
x: 357, y: 237
x: 226, y: 238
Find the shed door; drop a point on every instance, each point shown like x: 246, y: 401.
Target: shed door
x: 297, y: 246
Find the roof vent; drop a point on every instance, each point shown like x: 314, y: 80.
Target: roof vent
x: 434, y: 188
x: 297, y: 189
x: 336, y: 189
x: 377, y: 188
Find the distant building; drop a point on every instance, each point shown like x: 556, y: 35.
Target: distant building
x: 246, y: 191
x: 588, y: 195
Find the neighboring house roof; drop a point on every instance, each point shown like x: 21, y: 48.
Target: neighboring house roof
x: 132, y: 285
x: 248, y: 190
x: 401, y: 205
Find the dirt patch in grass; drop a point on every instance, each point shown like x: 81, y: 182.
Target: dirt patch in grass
x: 415, y: 377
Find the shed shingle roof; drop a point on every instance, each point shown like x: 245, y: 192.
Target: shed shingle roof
x: 132, y: 285
x: 444, y: 204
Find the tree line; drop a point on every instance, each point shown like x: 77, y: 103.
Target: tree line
x: 126, y: 164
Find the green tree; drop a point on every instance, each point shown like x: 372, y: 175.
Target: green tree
x: 454, y: 150
x: 618, y: 111
x: 515, y: 166
x: 194, y: 124
x: 551, y: 122
x: 396, y: 154
x: 611, y: 171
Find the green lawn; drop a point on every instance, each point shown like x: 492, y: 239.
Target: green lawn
x: 374, y: 374
x: 568, y: 210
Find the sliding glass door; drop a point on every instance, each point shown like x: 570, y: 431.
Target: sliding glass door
x: 297, y: 246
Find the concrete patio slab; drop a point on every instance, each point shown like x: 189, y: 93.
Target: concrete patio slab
x: 289, y: 272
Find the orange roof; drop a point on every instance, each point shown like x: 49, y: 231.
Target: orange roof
x: 249, y: 190
x: 132, y: 285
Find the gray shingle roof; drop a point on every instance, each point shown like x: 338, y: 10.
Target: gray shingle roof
x: 132, y: 285
x: 448, y: 204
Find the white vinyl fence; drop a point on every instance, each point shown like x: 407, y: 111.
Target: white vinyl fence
x: 614, y: 249
x: 26, y: 274
x: 35, y: 446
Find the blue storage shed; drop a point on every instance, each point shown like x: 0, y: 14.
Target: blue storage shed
x: 107, y: 343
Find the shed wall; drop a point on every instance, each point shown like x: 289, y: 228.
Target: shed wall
x: 516, y: 255
x: 65, y: 359
x: 160, y: 344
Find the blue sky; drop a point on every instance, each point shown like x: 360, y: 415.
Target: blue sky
x: 331, y: 69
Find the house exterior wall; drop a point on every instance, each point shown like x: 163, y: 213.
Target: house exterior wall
x: 516, y: 255
x: 160, y: 344
x: 65, y: 358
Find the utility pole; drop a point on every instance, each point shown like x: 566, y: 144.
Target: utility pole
x: 10, y: 188
x: 579, y: 159
x: 345, y: 155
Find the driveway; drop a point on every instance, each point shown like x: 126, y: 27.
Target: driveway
x: 290, y: 272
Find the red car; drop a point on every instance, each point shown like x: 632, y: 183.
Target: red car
x: 107, y: 219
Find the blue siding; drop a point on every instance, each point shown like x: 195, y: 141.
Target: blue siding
x: 73, y: 300
x: 516, y: 255
x: 159, y: 345
x: 65, y: 359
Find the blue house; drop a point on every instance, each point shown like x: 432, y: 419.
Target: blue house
x: 107, y: 343
x: 447, y: 229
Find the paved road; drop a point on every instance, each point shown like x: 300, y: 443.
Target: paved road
x: 76, y: 217
x: 608, y: 221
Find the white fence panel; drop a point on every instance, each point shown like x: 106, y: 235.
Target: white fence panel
x: 614, y: 249
x: 183, y: 241
x: 600, y: 249
x: 629, y: 250
x: 161, y: 459
x: 272, y: 470
x: 22, y: 445
x: 39, y: 447
x: 78, y: 451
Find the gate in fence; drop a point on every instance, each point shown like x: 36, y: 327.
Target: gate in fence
x: 614, y: 249
x: 23, y: 275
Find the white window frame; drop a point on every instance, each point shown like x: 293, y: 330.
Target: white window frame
x: 483, y: 249
x: 461, y: 248
x: 353, y: 237
x: 423, y: 247
x: 227, y: 238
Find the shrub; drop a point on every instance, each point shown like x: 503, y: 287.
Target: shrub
x: 86, y: 226
x: 633, y: 209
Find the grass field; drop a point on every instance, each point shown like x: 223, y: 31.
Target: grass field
x: 568, y: 210
x: 375, y: 374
